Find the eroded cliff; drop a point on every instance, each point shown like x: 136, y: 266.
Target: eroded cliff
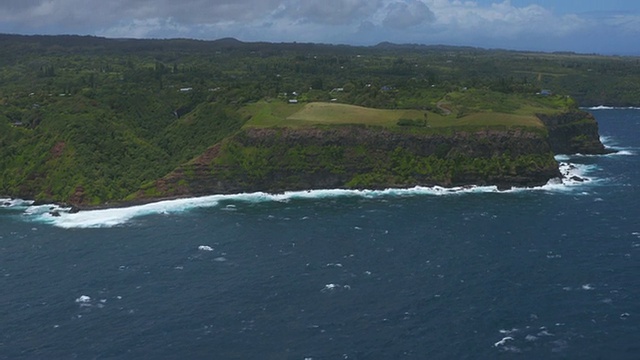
x: 573, y: 132
x: 283, y: 159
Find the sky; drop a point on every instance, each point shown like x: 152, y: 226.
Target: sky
x: 584, y: 26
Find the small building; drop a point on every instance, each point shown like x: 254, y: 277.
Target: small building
x: 293, y: 101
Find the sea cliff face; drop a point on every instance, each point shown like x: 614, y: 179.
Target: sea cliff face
x: 573, y: 132
x: 282, y: 159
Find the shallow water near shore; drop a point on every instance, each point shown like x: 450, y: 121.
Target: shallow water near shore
x: 416, y: 273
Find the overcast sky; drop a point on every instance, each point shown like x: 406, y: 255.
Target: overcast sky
x: 589, y: 26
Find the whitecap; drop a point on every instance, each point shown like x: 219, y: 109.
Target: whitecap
x: 14, y: 203
x: 604, y: 107
x: 622, y: 152
x: 84, y: 300
x: 624, y: 316
x: 600, y: 107
x: 544, y: 332
x: 587, y: 287
x: 331, y: 287
x: 503, y: 341
x: 508, y: 332
x: 118, y: 216
x: 205, y: 248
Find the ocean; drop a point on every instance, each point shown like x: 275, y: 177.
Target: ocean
x: 423, y: 273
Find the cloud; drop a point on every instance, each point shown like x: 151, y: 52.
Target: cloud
x: 154, y: 27
x: 488, y: 23
x: 401, y: 15
x: 501, y: 19
x: 627, y: 23
x: 336, y: 12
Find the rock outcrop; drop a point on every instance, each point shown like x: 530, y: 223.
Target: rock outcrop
x: 573, y: 132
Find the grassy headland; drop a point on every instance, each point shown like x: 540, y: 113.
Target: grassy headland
x: 89, y: 120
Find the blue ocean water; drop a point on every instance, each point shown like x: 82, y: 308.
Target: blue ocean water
x: 548, y: 273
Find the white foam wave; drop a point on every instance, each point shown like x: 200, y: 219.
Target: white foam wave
x: 610, y: 143
x: 83, y: 299
x: 503, y: 341
x: 587, y: 287
x: 623, y: 153
x: 604, y: 107
x: 573, y: 176
x: 14, y: 203
x: 118, y: 216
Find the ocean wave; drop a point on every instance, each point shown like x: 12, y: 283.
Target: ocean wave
x: 611, y: 143
x: 604, y: 107
x: 104, y: 218
x: 573, y: 175
x: 14, y: 203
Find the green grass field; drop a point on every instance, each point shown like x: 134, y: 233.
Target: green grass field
x: 278, y: 113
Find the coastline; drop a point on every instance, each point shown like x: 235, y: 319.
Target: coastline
x: 564, y: 170
x: 527, y: 177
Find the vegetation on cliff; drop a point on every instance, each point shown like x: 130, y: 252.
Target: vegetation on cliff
x: 88, y: 120
x: 355, y: 156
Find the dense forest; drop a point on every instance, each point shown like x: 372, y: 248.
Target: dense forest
x: 92, y: 120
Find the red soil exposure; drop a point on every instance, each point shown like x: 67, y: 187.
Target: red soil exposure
x: 57, y: 149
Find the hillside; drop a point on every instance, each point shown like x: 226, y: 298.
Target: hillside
x: 286, y: 147
x: 90, y: 121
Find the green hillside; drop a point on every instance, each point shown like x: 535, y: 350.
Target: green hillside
x: 90, y: 120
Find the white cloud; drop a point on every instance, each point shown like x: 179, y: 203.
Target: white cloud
x: 404, y: 14
x: 146, y: 28
x: 628, y: 23
x: 335, y: 12
x: 501, y: 19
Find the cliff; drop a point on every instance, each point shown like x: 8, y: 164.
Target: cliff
x: 573, y: 132
x: 281, y: 159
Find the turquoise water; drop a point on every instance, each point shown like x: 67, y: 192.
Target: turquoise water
x: 421, y: 273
